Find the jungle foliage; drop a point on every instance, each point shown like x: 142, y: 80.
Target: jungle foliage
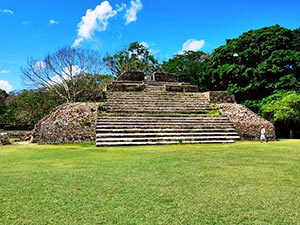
x: 253, y: 66
x: 257, y: 64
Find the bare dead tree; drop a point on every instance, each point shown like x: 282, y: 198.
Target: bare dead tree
x: 63, y: 71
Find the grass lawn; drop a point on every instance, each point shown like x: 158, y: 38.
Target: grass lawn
x: 240, y: 183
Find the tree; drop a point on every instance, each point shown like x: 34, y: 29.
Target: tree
x: 283, y: 109
x: 3, y: 96
x: 96, y: 88
x: 136, y: 57
x: 257, y: 63
x: 63, y: 71
x: 27, y: 107
x: 189, y: 64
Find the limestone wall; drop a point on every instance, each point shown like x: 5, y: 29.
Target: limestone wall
x: 181, y: 87
x: 68, y: 123
x: 220, y: 97
x: 247, y: 123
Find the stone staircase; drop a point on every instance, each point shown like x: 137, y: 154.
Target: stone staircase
x: 156, y: 116
x: 156, y: 102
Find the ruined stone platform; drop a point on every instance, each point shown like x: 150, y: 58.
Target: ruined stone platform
x: 139, y: 112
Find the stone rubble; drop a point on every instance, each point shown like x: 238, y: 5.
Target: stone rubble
x: 68, y: 123
x: 4, y: 139
x: 246, y: 122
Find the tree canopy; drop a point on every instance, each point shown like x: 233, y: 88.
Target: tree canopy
x: 65, y: 71
x: 189, y: 65
x: 136, y: 57
x: 257, y: 63
x: 3, y: 95
x: 283, y: 109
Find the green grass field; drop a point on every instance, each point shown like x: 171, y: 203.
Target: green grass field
x: 240, y: 183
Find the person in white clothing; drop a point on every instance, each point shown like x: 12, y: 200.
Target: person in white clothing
x: 263, y: 134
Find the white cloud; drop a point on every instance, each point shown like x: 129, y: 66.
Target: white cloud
x: 145, y: 44
x: 7, y: 11
x: 150, y: 47
x: 66, y: 74
x: 192, y: 45
x: 74, y: 71
x: 53, y: 22
x: 131, y: 13
x: 94, y: 20
x: 4, y: 71
x: 40, y: 65
x: 5, y: 85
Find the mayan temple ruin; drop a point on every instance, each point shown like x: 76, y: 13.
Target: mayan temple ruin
x: 161, y: 110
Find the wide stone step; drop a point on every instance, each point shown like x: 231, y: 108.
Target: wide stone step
x: 159, y: 105
x: 161, y: 120
x: 153, y: 109
x: 153, y: 122
x: 184, y: 118
x: 154, y: 103
x: 164, y: 126
x: 165, y: 140
x: 164, y: 130
x: 154, y: 94
x: 162, y: 142
x: 156, y: 99
x: 165, y: 134
x: 172, y: 117
x: 162, y: 112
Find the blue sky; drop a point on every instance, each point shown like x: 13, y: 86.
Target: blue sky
x: 31, y: 28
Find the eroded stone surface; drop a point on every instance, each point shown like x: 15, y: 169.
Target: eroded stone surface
x: 68, y: 123
x: 246, y: 122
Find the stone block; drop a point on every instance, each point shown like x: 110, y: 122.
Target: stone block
x: 181, y: 88
x: 221, y: 97
x: 121, y: 86
x: 132, y: 76
x: 166, y: 77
